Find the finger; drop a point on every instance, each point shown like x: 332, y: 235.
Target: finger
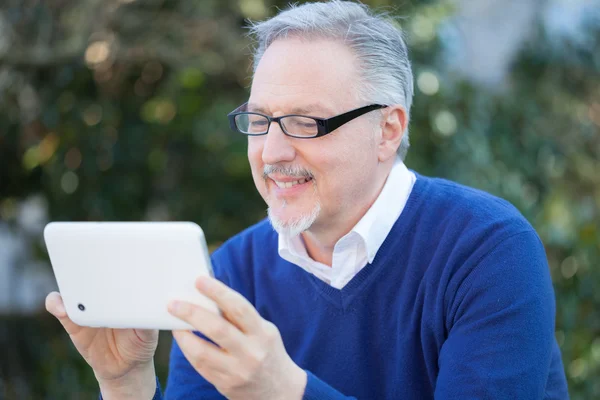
x: 202, y: 355
x: 56, y: 307
x: 234, y: 306
x: 211, y: 325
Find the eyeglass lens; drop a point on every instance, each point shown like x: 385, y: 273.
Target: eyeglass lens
x: 255, y: 124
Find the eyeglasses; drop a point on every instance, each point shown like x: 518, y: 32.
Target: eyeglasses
x: 298, y: 126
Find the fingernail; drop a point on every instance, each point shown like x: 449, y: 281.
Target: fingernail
x: 177, y: 307
x: 203, y: 282
x: 55, y: 305
x: 173, y: 306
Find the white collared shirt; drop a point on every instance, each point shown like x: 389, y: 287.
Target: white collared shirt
x: 359, y: 246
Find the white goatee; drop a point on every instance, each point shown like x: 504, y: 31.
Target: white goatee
x: 301, y: 223
x: 294, y: 226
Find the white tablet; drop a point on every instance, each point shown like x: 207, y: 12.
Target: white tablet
x: 123, y: 274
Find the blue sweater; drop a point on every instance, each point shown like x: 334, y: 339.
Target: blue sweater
x: 457, y: 304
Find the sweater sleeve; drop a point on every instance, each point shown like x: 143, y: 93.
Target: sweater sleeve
x: 500, y: 325
x: 316, y: 389
x: 184, y: 382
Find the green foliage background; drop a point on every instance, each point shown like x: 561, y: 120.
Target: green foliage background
x: 116, y: 110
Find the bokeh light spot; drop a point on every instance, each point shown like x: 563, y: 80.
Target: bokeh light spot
x: 47, y: 147
x: 569, y: 267
x: 445, y: 123
x: 428, y: 83
x: 578, y: 369
x: 254, y: 9
x: 158, y: 110
x: 73, y: 158
x: 69, y: 182
x: 97, y: 53
x: 423, y: 28
x: 191, y: 78
x: 30, y: 158
x: 92, y: 115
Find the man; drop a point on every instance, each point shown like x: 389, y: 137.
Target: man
x: 377, y: 283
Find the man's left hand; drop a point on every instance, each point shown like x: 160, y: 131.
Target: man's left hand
x: 250, y: 361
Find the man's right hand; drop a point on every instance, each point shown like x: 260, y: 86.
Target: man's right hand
x: 122, y: 359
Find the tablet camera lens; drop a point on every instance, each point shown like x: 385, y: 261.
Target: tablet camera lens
x: 81, y: 307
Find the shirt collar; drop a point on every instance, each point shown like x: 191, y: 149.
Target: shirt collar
x: 378, y: 221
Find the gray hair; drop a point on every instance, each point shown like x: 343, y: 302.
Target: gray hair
x: 375, y: 39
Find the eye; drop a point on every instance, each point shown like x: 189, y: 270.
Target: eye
x: 258, y: 123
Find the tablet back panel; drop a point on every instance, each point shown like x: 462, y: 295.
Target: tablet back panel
x: 123, y: 274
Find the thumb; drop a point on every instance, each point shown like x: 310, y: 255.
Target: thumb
x: 56, y: 307
x: 147, y: 335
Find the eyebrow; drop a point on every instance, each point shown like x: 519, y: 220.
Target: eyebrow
x: 307, y: 109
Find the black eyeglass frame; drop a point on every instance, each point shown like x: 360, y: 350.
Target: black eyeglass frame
x: 324, y: 125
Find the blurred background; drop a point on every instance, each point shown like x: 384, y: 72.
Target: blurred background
x: 116, y: 110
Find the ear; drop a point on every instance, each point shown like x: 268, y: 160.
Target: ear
x: 393, y: 127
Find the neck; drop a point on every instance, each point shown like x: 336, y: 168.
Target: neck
x: 320, y: 239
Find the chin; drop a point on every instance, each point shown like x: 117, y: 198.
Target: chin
x: 295, y: 225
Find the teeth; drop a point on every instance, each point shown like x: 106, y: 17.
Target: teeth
x: 290, y: 184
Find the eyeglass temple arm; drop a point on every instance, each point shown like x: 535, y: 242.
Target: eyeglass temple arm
x: 332, y: 124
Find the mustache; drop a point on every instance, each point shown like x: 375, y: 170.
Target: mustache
x: 288, y: 170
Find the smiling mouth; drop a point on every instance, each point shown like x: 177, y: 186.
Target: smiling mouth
x: 290, y: 184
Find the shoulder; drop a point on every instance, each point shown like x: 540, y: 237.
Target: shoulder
x: 460, y: 211
x: 466, y: 233
x: 482, y: 243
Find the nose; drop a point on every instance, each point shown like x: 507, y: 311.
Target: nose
x: 278, y: 147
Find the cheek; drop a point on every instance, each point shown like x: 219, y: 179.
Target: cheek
x: 348, y: 170
x: 256, y: 164
x: 255, y: 147
x: 329, y: 167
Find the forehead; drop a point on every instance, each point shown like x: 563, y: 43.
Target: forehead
x: 305, y: 74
